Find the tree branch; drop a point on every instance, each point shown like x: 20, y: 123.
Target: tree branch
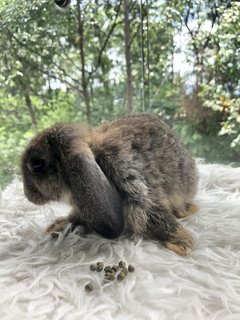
x: 106, y: 41
x: 37, y: 53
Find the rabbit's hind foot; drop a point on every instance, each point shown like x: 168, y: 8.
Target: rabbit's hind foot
x: 180, y: 242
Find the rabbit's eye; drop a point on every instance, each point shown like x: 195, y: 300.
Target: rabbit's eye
x: 37, y: 165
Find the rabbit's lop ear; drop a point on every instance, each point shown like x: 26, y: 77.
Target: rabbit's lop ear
x: 96, y: 199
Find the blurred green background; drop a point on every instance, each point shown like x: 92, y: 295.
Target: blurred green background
x: 100, y: 59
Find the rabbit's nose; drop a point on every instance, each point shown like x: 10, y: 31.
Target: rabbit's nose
x: 37, y: 165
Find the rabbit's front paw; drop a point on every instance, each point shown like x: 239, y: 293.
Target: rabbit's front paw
x: 190, y: 209
x: 58, y: 226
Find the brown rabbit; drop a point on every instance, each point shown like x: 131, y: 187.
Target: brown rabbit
x: 130, y: 175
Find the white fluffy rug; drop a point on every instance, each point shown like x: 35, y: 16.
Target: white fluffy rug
x: 44, y: 279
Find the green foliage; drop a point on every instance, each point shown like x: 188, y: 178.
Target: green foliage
x: 42, y: 70
x: 211, y: 147
x: 221, y: 93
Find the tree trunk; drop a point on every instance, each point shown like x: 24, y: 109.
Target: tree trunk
x: 30, y: 111
x: 85, y: 83
x: 87, y: 103
x: 128, y: 56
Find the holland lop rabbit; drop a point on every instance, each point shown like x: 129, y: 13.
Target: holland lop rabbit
x: 129, y: 175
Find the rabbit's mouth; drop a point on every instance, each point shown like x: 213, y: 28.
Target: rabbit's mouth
x: 35, y: 196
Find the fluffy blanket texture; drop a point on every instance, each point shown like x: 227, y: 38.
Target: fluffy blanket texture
x: 42, y: 278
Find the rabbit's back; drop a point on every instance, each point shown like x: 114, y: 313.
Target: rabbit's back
x: 145, y: 160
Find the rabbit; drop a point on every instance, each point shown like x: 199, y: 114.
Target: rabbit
x: 131, y: 175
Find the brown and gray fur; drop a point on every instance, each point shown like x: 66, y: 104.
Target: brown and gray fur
x: 130, y: 175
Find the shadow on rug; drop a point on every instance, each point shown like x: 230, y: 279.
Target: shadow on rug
x: 42, y: 278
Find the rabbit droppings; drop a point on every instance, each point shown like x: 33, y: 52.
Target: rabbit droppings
x: 130, y: 175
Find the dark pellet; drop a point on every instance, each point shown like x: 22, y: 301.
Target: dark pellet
x: 89, y: 287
